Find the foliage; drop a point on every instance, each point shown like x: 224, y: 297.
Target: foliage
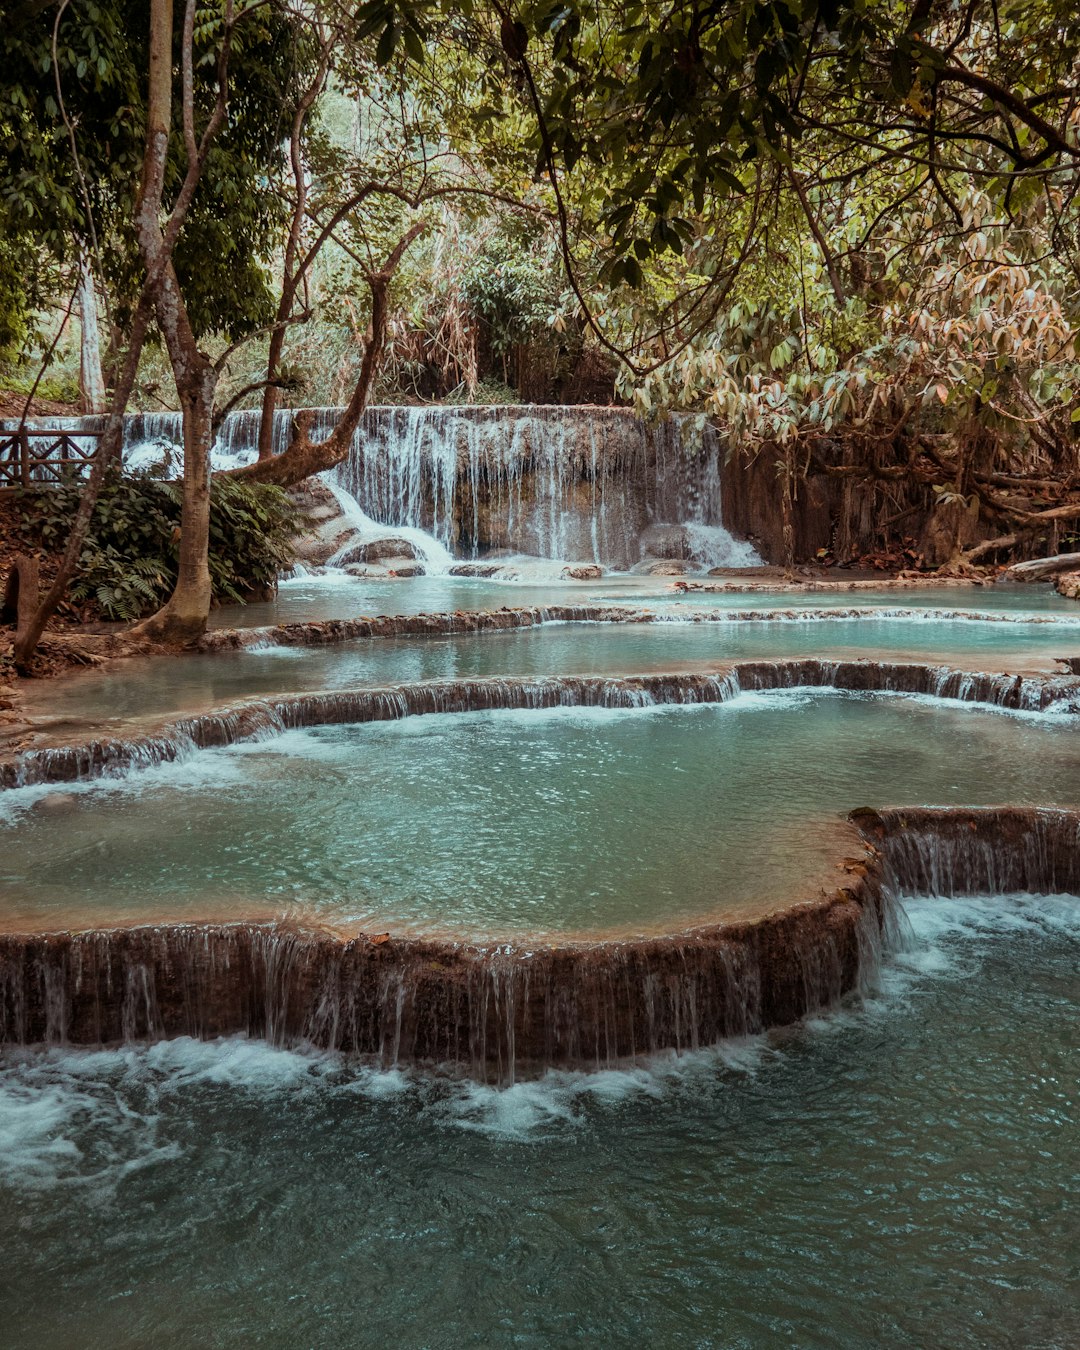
x: 52, y: 203
x: 252, y: 527
x: 508, y: 286
x: 61, y: 386
x: 128, y: 566
x: 964, y: 333
x: 844, y: 228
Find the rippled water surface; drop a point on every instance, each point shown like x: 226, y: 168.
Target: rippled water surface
x: 136, y: 688
x: 901, y: 1175
x: 336, y: 595
x: 511, y: 822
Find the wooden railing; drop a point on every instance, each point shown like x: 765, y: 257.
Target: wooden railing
x: 29, y: 458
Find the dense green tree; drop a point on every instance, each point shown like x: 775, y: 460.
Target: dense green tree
x: 72, y: 129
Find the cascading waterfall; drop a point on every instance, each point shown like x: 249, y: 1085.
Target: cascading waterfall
x: 499, y: 1012
x: 493, y: 1012
x: 977, y: 850
x: 367, y: 530
x: 566, y: 483
x: 579, y: 484
x: 267, y: 717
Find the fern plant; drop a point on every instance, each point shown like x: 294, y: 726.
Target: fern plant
x: 122, y: 588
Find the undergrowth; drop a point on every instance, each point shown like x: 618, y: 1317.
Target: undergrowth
x: 129, y: 563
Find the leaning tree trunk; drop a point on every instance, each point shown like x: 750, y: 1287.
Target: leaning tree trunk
x: 109, y: 449
x: 303, y: 456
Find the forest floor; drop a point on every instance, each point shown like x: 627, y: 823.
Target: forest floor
x: 12, y: 405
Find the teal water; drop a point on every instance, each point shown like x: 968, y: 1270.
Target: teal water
x: 154, y: 686
x: 518, y: 822
x: 335, y: 595
x: 896, y: 1177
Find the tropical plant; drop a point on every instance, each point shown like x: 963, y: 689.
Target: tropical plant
x: 129, y: 561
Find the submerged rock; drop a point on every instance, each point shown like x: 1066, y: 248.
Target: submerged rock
x: 487, y: 569
x: 365, y: 570
x: 662, y: 567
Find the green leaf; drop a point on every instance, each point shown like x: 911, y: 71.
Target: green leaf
x: 387, y: 42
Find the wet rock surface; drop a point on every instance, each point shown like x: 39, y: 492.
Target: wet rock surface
x: 480, y: 569
x: 666, y: 541
x: 264, y: 717
x: 1068, y: 584
x: 380, y: 551
x: 662, y: 567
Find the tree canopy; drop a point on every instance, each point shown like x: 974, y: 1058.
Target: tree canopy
x: 844, y: 229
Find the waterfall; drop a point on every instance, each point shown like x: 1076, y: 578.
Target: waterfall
x: 579, y: 484
x: 516, y: 1009
x: 493, y: 1012
x: 977, y: 850
x: 264, y: 718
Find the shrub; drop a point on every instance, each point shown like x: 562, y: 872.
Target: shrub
x: 128, y: 565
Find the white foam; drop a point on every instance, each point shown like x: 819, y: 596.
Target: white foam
x: 991, y: 918
x: 330, y: 744
x: 715, y: 546
x: 65, y: 1121
x: 234, y: 1062
x: 434, y: 555
x: 329, y: 577
x: 90, y: 1117
x: 192, y: 770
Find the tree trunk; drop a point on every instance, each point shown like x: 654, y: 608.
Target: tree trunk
x: 109, y: 448
x: 270, y: 395
x: 91, y: 380
x: 289, y: 275
x: 182, y: 619
x: 20, y: 594
x: 1038, y: 569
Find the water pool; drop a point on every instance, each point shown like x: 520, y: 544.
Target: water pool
x: 501, y: 823
x: 335, y: 595
x: 900, y: 1175
x: 149, y: 686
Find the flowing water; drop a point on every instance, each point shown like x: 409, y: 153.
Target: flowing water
x: 335, y: 595
x: 550, y: 482
x: 487, y: 824
x: 138, y: 688
x: 899, y: 1175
